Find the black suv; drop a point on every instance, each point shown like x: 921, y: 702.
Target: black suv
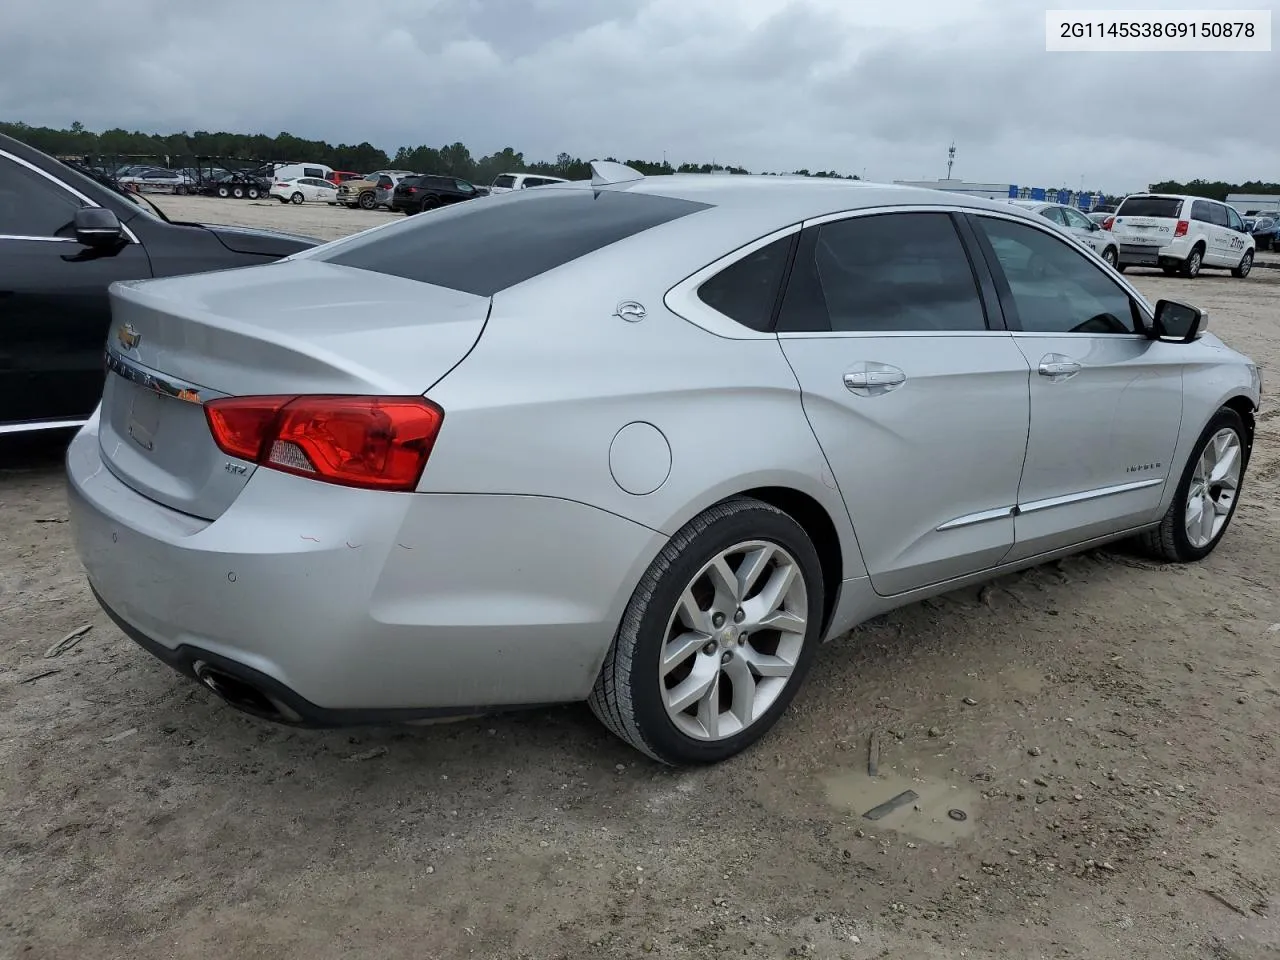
x: 65, y: 235
x: 425, y: 191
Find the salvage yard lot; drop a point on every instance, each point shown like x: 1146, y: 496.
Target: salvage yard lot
x: 1108, y: 726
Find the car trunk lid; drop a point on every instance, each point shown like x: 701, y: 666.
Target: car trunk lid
x: 294, y: 327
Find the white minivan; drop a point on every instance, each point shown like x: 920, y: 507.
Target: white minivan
x: 1181, y: 234
x: 506, y: 182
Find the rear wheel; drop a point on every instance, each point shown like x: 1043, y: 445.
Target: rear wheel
x: 238, y: 192
x: 1246, y: 264
x: 1111, y: 256
x: 367, y: 201
x: 1195, y: 260
x: 296, y: 197
x: 717, y: 637
x: 252, y: 193
x: 1206, y: 496
x: 224, y: 192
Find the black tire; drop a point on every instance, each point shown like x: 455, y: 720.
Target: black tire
x: 628, y: 698
x: 1121, y: 267
x: 224, y: 192
x: 1111, y: 256
x: 296, y: 197
x: 430, y: 203
x: 238, y: 192
x: 1194, y: 262
x: 1169, y: 541
x: 180, y: 190
x: 1246, y: 264
x: 252, y: 193
x: 1169, y: 271
x: 367, y: 201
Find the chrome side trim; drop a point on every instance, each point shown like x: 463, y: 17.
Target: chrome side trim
x: 160, y: 383
x: 683, y: 301
x: 982, y: 516
x: 1069, y: 498
x: 65, y: 186
x: 18, y: 236
x: 8, y: 428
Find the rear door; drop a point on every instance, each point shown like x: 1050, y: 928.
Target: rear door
x: 1106, y: 402
x: 1206, y: 214
x: 54, y: 312
x: 918, y: 402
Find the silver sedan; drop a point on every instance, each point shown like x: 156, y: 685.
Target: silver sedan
x: 1084, y: 229
x: 645, y: 442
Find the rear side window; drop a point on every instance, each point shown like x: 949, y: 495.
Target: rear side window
x: 1167, y: 207
x: 504, y: 181
x: 1054, y: 214
x: 747, y: 290
x: 1202, y: 210
x: 312, y: 172
x: 481, y: 248
x: 888, y: 273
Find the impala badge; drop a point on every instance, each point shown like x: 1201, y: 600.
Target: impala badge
x: 631, y: 311
x: 128, y: 337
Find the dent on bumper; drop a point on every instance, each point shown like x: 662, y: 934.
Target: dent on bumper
x: 361, y: 600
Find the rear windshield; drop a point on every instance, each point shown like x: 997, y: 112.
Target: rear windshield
x: 1168, y: 207
x: 483, y: 246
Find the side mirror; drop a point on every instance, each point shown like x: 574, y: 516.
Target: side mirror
x: 1177, y: 322
x: 98, y: 227
x: 1093, y: 226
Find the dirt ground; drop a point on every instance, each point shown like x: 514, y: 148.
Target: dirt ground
x: 1107, y: 726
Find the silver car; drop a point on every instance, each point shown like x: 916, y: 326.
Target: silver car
x: 640, y: 441
x: 1084, y: 229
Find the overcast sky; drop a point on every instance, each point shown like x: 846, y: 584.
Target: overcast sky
x: 878, y: 87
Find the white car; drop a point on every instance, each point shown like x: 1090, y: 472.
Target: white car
x: 304, y: 188
x: 1181, y: 234
x: 1089, y: 234
x: 506, y: 182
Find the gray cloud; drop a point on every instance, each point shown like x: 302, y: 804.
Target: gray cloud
x: 762, y: 83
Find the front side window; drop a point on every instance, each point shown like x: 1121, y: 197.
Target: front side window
x: 464, y: 187
x: 1234, y: 221
x: 886, y: 273
x: 1054, y: 287
x: 32, y: 206
x: 747, y: 290
x: 1076, y: 219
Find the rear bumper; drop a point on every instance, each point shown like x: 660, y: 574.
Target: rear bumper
x: 357, y: 606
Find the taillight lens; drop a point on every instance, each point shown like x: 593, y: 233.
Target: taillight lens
x: 379, y: 443
x: 1108, y: 223
x: 282, y: 185
x: 1181, y: 229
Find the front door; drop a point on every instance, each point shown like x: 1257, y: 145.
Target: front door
x: 920, y: 408
x: 54, y: 311
x: 1106, y: 402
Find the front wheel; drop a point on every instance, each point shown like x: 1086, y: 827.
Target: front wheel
x: 1206, y: 497
x: 1246, y: 264
x: 367, y: 201
x: 296, y: 198
x: 1111, y: 257
x: 717, y: 637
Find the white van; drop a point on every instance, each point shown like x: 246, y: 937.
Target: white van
x: 1181, y: 234
x: 295, y: 171
x: 506, y: 182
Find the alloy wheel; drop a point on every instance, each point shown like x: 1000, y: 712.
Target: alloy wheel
x: 1213, y: 489
x: 733, y: 640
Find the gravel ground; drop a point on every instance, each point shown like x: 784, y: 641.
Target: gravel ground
x: 1107, y: 725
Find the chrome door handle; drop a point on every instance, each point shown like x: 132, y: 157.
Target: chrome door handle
x: 869, y: 378
x: 1057, y: 367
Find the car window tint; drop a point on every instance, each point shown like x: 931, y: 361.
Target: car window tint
x: 504, y: 181
x: 464, y: 186
x: 887, y: 273
x: 1074, y: 219
x: 482, y: 248
x: 1218, y: 214
x: 31, y: 206
x: 1054, y: 214
x: 1166, y: 207
x: 747, y: 289
x: 1234, y: 221
x: 1055, y: 287
x: 1202, y: 210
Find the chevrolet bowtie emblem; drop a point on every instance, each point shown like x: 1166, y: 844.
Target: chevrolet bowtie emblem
x: 128, y: 337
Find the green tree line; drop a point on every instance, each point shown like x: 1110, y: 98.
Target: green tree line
x: 1214, y: 189
x: 455, y: 159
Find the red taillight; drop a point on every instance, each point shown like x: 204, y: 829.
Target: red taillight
x: 410, y: 189
x: 1108, y: 223
x: 380, y: 443
x: 282, y: 185
x: 1181, y: 229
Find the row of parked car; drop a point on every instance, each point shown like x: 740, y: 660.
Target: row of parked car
x: 1177, y: 234
x: 410, y: 192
